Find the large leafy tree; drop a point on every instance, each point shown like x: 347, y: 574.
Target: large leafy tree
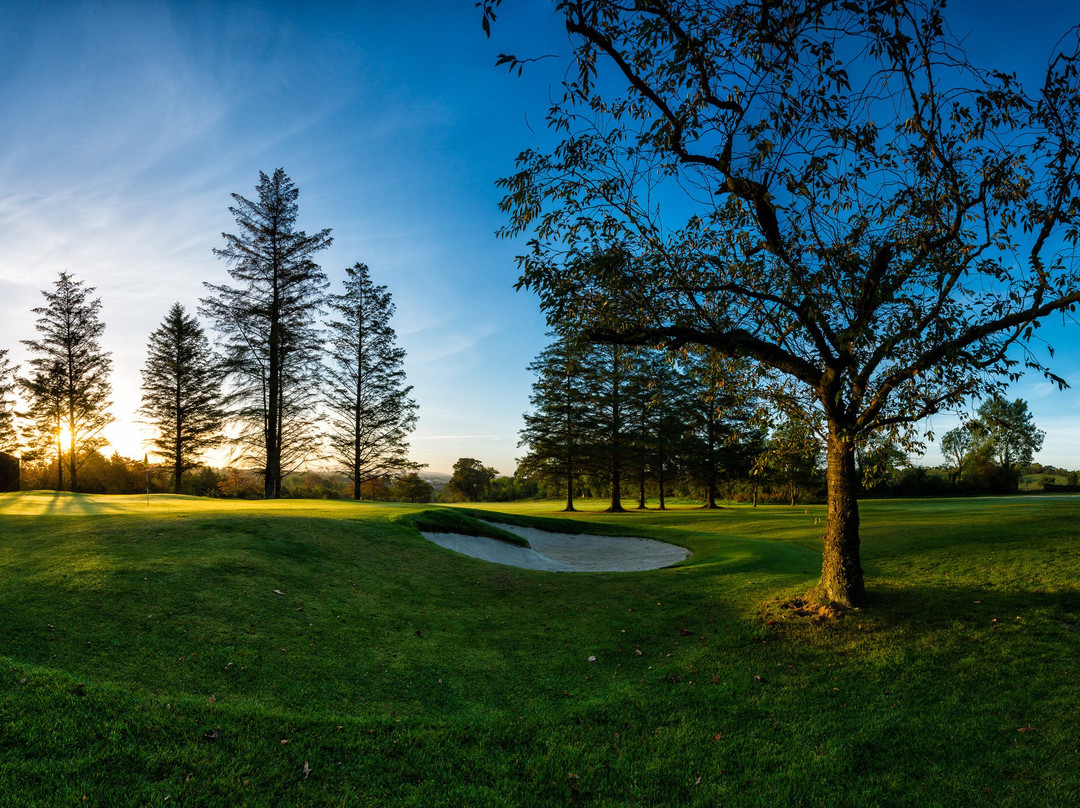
x: 181, y: 392
x: 471, y: 480
x: 370, y: 411
x: 1007, y: 430
x: 956, y: 444
x: 9, y: 438
x: 68, y: 385
x: 828, y: 187
x: 267, y: 324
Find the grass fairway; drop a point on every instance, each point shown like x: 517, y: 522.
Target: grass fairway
x: 201, y: 652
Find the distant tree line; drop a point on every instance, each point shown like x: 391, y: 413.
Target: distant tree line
x: 625, y: 422
x: 283, y: 388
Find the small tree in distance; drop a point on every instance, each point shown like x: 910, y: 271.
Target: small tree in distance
x: 1007, y: 429
x: 411, y: 488
x: 471, y: 481
x: 181, y: 393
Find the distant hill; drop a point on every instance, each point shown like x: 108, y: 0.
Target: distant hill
x: 437, y: 479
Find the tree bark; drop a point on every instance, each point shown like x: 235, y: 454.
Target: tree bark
x: 660, y: 474
x: 616, y: 488
x: 841, y: 568
x: 569, y: 488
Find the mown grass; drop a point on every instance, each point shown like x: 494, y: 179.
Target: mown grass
x: 200, y: 652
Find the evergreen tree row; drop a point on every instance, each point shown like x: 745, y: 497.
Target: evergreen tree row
x: 291, y: 389
x: 640, y: 419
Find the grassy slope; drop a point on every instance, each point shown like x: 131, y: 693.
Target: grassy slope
x: 159, y: 662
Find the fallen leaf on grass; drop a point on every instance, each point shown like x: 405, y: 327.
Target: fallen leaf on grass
x: 1026, y: 729
x: 278, y: 592
x: 307, y: 770
x: 685, y: 632
x: 210, y: 735
x: 284, y: 740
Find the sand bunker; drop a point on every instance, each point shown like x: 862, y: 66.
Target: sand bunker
x: 562, y: 552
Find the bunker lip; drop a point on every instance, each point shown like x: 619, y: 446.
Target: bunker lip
x: 563, y: 552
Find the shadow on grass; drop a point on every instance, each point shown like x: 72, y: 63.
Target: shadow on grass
x: 943, y: 605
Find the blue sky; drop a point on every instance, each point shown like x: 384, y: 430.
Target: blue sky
x: 127, y: 126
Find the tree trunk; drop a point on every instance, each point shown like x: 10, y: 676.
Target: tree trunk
x: 569, y: 488
x: 710, y: 496
x: 641, y: 488
x: 710, y: 459
x: 660, y: 474
x: 178, y: 446
x: 273, y: 403
x: 59, y: 461
x: 178, y: 462
x: 616, y: 488
x: 841, y: 568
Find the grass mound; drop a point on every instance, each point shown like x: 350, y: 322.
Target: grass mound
x: 453, y: 520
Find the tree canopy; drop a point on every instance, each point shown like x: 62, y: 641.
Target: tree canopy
x: 829, y: 188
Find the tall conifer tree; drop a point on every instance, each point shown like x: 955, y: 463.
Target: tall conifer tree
x: 9, y: 438
x: 371, y: 413
x: 268, y: 328
x: 561, y: 428
x: 68, y: 384
x: 181, y: 392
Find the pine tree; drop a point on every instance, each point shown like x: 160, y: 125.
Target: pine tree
x: 614, y: 394
x: 370, y: 411
x: 561, y: 428
x: 45, y: 389
x: 69, y: 382
x: 663, y: 397
x: 268, y: 328
x: 181, y: 392
x: 9, y: 439
x: 719, y: 440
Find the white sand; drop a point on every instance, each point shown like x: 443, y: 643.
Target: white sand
x: 563, y: 552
